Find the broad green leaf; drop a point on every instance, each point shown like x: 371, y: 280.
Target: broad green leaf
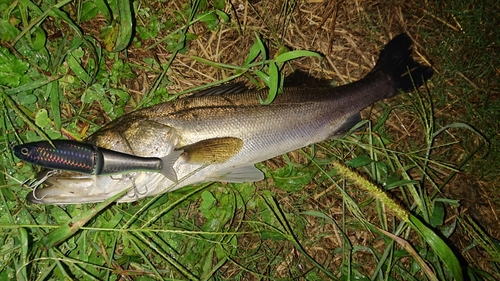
x: 448, y: 229
x: 103, y: 7
x: 439, y: 246
x: 107, y: 106
x: 12, y: 69
x: 125, y: 25
x: 210, y: 19
x: 222, y: 15
x: 262, y: 47
x: 219, y: 4
x: 290, y: 178
x: 96, y: 92
x: 7, y: 31
x: 39, y: 39
x: 263, y: 76
x: 89, y: 10
x: 26, y: 99
x: 359, y: 161
x: 42, y: 118
x: 438, y: 213
x: 207, y: 203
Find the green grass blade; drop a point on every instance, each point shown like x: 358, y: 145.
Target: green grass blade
x: 409, y: 248
x: 32, y: 85
x: 218, y: 64
x: 460, y: 125
x: 55, y: 103
x: 490, y: 245
x: 289, y: 234
x: 296, y: 54
x: 103, y: 7
x: 273, y: 83
x: 23, y: 271
x: 38, y: 19
x: 78, y: 69
x: 167, y: 257
x: 125, y: 25
x: 254, y: 52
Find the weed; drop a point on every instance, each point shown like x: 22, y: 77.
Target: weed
x: 66, y: 68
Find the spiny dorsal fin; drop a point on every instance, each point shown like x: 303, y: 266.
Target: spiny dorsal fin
x: 212, y: 151
x: 229, y: 88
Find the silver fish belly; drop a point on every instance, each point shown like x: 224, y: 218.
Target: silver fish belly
x: 222, y: 136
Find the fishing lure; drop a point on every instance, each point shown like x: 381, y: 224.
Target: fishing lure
x: 89, y: 159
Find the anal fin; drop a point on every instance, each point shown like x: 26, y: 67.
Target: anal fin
x: 348, y: 124
x: 238, y: 174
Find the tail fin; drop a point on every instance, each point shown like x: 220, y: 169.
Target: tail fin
x: 395, y: 60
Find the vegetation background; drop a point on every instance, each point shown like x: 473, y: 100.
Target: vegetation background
x: 68, y: 67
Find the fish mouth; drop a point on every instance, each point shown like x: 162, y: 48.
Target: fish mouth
x: 64, y: 187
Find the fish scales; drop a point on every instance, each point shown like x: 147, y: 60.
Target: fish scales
x: 243, y: 114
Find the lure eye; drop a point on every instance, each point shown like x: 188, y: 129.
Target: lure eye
x: 25, y: 151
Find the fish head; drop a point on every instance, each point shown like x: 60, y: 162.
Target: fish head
x: 140, y: 137
x: 65, y: 187
x: 136, y: 136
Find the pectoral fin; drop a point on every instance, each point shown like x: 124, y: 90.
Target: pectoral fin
x: 212, y: 151
x: 167, y: 165
x: 239, y: 174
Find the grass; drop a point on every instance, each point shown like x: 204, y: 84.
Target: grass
x: 323, y: 211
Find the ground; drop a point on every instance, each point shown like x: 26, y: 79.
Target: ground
x: 438, y: 146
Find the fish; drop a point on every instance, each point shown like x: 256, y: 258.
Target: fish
x: 89, y: 159
x: 223, y: 135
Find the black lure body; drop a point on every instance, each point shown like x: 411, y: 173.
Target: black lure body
x: 89, y: 159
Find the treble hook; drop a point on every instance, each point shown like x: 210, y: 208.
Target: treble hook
x: 136, y: 190
x: 34, y: 194
x: 37, y: 182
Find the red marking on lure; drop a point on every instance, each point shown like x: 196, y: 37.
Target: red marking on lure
x: 89, y: 159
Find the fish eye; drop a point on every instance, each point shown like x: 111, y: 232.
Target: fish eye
x: 24, y: 151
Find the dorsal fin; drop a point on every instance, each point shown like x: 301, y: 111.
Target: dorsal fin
x: 228, y: 88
